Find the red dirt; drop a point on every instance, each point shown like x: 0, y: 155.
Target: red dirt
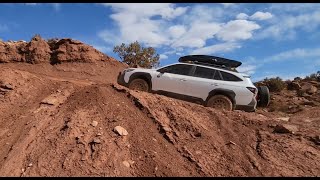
x: 46, y: 115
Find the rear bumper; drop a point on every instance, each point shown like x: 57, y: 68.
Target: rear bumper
x: 251, y: 107
x: 120, y: 80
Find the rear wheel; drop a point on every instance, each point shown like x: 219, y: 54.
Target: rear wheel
x: 220, y: 102
x: 139, y: 84
x: 263, y: 96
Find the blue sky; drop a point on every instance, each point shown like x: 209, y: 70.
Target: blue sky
x: 270, y: 39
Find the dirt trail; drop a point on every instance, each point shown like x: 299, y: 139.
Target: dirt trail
x: 59, y: 120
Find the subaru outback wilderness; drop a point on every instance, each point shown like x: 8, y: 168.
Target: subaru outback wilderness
x: 208, y: 80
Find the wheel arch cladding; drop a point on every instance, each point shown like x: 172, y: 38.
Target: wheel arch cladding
x: 226, y: 92
x: 141, y: 75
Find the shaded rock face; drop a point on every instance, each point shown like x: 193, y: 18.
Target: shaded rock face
x: 309, y: 89
x: 37, y: 51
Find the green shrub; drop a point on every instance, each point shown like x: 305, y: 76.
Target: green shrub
x: 275, y: 84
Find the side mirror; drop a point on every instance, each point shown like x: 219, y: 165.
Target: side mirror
x: 163, y: 70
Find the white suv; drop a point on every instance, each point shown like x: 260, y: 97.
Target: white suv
x: 206, y: 83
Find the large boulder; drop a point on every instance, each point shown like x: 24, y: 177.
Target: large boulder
x: 294, y: 85
x: 286, y: 128
x: 309, y: 89
x: 37, y: 51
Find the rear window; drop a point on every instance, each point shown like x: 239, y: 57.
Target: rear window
x: 229, y: 77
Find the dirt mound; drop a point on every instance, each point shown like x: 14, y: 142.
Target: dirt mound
x: 52, y: 51
x: 60, y: 121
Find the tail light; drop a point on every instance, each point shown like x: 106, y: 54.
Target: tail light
x: 252, y: 89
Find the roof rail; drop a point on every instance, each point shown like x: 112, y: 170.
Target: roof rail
x: 212, y: 65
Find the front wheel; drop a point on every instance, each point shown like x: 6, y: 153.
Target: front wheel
x: 139, y: 84
x: 220, y: 102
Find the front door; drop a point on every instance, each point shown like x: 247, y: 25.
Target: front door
x: 173, y: 79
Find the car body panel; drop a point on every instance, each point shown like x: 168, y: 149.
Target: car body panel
x: 196, y: 87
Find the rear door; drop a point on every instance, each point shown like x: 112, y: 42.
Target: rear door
x: 173, y: 80
x: 202, y: 81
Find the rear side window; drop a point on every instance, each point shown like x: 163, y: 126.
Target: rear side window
x: 179, y: 69
x: 229, y: 77
x: 204, y: 72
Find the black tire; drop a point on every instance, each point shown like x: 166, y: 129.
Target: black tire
x: 220, y: 102
x: 263, y: 96
x: 139, y: 84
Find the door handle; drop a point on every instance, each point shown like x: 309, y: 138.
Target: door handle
x: 215, y: 84
x: 182, y: 80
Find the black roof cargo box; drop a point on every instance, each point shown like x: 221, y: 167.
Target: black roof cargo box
x: 214, y: 60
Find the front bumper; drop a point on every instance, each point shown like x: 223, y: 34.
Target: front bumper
x: 120, y: 79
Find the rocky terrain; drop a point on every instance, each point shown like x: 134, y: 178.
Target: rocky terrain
x: 63, y: 114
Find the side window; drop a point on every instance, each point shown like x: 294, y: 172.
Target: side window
x: 204, y: 72
x: 180, y: 69
x: 229, y: 77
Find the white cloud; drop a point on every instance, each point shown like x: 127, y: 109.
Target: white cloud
x: 261, y: 16
x: 170, y: 52
x: 247, y: 69
x: 242, y: 16
x: 163, y: 56
x: 197, y: 35
x: 300, y: 54
x: 56, y: 6
x: 204, y: 13
x: 170, y: 26
x: 227, y: 4
x: 285, y: 25
x: 140, y: 22
x: 166, y: 10
x: 224, y: 47
x: 237, y: 30
x: 177, y: 31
